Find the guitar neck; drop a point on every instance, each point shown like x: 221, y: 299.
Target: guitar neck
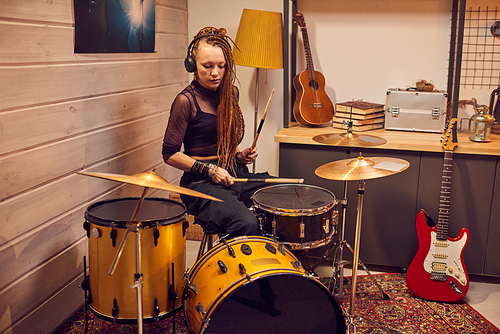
x: 309, y: 59
x: 444, y: 198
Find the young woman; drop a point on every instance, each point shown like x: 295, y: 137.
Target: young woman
x: 206, y: 118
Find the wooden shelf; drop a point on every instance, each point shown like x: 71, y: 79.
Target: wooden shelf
x: 396, y: 140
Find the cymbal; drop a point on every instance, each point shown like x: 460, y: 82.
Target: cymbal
x: 349, y: 139
x: 150, y: 180
x: 361, y: 168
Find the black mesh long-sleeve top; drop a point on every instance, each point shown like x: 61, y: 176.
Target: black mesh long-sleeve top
x: 192, y: 122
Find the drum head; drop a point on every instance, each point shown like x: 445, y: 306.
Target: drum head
x: 301, y: 305
x: 294, y: 198
x: 119, y: 211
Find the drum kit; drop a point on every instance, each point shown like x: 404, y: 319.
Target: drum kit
x: 251, y: 284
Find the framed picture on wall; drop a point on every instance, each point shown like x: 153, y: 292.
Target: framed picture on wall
x: 114, y: 26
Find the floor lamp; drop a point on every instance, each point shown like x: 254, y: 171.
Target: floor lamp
x: 259, y: 44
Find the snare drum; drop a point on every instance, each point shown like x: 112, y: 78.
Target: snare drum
x: 163, y: 243
x: 301, y: 216
x: 255, y: 285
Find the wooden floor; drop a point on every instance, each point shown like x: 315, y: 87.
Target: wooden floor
x: 483, y: 297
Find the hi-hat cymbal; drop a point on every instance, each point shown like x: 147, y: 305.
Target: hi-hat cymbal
x: 150, y: 180
x: 349, y: 139
x: 361, y: 168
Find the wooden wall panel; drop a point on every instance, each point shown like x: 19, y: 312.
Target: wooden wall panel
x: 41, y: 84
x: 20, y: 173
x: 55, y: 11
x: 30, y: 127
x: 32, y: 289
x: 60, y: 113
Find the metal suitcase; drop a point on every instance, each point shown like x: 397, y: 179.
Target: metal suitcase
x: 410, y: 110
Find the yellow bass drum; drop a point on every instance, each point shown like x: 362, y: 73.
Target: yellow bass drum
x: 255, y: 285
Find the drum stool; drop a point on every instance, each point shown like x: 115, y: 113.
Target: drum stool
x: 206, y: 242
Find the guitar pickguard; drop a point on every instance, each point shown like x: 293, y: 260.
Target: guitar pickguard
x: 444, y: 259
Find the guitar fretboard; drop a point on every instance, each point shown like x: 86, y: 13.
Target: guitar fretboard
x: 309, y: 59
x: 444, y: 198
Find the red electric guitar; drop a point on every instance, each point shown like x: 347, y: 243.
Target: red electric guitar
x: 438, y: 271
x: 312, y: 105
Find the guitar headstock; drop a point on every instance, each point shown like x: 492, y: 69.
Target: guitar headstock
x: 449, y: 139
x: 299, y: 18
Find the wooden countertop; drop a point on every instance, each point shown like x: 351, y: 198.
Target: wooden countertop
x: 396, y: 140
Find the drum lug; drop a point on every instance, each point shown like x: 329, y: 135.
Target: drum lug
x: 296, y: 264
x: 172, y: 294
x: 229, y: 248
x: 273, y: 228
x: 222, y: 266
x: 243, y: 271
x: 156, y: 308
x: 200, y: 309
x: 270, y: 248
x: 114, y: 310
x: 192, y: 287
x: 86, y: 227
x: 245, y: 249
x: 326, y: 225
x: 113, y: 235
x: 281, y: 249
x: 302, y: 232
x: 156, y: 236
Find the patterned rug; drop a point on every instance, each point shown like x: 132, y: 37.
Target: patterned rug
x: 403, y: 313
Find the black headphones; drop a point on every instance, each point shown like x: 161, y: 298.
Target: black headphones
x: 190, y: 62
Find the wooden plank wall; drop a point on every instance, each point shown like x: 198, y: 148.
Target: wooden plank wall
x: 61, y: 113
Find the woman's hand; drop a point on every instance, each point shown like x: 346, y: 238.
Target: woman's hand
x: 247, y: 156
x: 222, y: 176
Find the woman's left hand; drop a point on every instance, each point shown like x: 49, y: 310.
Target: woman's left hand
x: 247, y: 156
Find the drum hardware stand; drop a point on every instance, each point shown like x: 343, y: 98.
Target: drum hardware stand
x: 351, y: 315
x: 172, y: 295
x: 338, y: 247
x: 85, y: 287
x: 135, y: 227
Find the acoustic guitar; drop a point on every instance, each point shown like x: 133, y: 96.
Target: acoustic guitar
x: 312, y: 106
x: 437, y: 271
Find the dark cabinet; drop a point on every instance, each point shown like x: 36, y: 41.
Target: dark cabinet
x: 391, y: 203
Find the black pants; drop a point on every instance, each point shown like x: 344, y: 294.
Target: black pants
x: 232, y: 216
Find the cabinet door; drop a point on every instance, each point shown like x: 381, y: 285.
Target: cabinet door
x: 492, y: 264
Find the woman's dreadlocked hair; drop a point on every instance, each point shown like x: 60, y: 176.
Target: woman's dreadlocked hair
x: 230, y: 122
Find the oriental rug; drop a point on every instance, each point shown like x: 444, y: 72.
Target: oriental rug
x: 402, y: 313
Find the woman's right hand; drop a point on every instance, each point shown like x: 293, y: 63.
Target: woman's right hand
x: 222, y: 176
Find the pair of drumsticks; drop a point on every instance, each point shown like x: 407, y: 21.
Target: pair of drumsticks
x: 269, y: 180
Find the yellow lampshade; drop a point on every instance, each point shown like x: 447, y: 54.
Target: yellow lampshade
x: 259, y: 39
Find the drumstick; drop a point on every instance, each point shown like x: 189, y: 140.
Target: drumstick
x: 262, y: 120
x: 271, y: 180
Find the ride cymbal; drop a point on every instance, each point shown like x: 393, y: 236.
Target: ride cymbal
x: 349, y: 139
x: 361, y: 168
x: 150, y: 180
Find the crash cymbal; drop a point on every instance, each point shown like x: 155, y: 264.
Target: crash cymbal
x: 349, y: 139
x: 150, y: 180
x: 361, y: 168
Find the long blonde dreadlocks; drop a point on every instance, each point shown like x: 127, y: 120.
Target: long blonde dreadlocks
x: 230, y: 122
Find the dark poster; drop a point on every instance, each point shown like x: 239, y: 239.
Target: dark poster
x: 114, y: 26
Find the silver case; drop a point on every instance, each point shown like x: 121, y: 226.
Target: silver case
x: 415, y: 111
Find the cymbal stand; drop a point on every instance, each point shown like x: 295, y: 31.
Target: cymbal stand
x: 338, y: 262
x: 351, y: 317
x: 136, y: 227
